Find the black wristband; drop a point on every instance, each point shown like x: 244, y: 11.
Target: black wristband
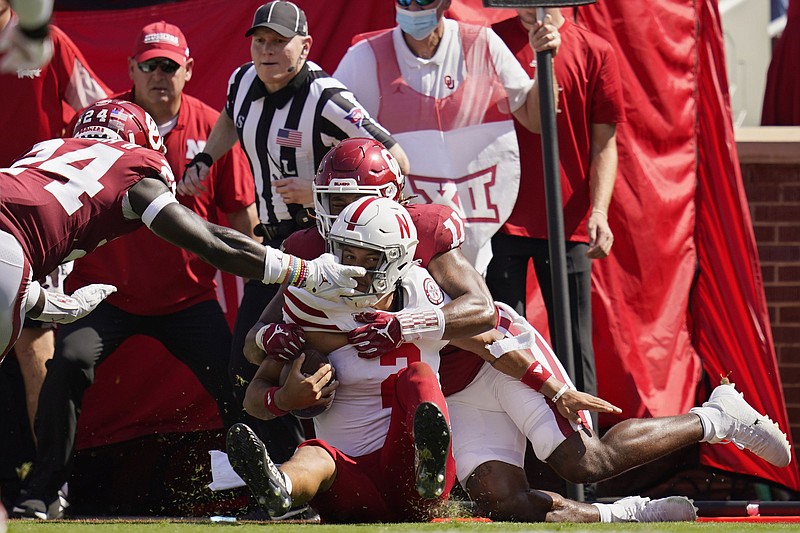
x: 36, y: 34
x: 201, y: 157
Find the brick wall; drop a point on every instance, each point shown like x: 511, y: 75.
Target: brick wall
x: 770, y: 163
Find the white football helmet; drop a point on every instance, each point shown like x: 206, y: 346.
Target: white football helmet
x: 379, y: 224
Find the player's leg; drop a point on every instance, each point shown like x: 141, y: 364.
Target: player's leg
x: 309, y: 471
x: 416, y: 459
x: 726, y: 417
x: 501, y: 492
x: 15, y: 276
x: 35, y: 346
x: 199, y: 337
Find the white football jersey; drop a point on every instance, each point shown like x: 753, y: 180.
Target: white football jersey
x: 358, y: 419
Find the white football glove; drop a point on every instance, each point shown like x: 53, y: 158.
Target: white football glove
x: 64, y: 309
x: 328, y: 279
x: 23, y: 53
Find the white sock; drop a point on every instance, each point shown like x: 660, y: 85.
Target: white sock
x: 605, y: 512
x: 288, y: 482
x: 705, y: 414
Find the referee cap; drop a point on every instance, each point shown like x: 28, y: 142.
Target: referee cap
x: 281, y: 16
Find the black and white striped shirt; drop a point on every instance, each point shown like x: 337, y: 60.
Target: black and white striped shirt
x: 287, y: 133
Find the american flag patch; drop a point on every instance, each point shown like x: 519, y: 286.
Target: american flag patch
x: 289, y: 138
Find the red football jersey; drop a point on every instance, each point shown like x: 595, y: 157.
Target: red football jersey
x: 439, y: 229
x: 65, y: 197
x: 143, y: 266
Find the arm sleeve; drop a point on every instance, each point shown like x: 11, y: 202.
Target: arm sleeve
x: 513, y: 77
x: 343, y: 117
x: 358, y: 72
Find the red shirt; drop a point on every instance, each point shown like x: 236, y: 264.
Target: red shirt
x: 586, y: 69
x: 458, y: 367
x: 152, y: 276
x: 37, y: 104
x: 65, y: 197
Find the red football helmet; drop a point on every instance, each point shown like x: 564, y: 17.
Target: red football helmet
x: 354, y: 166
x: 119, y: 119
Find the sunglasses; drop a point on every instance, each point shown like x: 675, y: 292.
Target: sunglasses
x: 420, y: 3
x: 167, y: 66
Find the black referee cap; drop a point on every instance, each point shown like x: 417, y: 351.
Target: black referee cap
x: 283, y: 17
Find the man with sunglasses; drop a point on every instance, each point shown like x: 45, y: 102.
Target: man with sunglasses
x: 448, y: 92
x: 144, y: 267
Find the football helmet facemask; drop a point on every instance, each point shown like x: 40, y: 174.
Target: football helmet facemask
x: 382, y: 225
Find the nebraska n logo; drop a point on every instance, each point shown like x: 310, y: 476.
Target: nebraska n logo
x: 468, y: 196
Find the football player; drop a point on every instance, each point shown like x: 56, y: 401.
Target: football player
x: 382, y: 452
x: 65, y: 197
x: 496, y: 479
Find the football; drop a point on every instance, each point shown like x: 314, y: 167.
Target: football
x: 313, y: 361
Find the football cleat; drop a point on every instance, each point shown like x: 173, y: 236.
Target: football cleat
x: 432, y: 446
x: 249, y: 458
x: 35, y: 509
x: 737, y: 422
x: 670, y: 509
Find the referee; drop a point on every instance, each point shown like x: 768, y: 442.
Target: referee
x: 287, y: 113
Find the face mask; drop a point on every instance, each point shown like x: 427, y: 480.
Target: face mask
x: 418, y: 24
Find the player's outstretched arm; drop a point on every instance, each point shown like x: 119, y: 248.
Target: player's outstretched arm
x: 234, y: 252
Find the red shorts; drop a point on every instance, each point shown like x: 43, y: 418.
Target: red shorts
x: 381, y: 486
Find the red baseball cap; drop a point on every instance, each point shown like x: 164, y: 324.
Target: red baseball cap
x: 161, y: 39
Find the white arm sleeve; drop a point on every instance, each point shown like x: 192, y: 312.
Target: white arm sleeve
x: 358, y: 72
x: 514, y: 78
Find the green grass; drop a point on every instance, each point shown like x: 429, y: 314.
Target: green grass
x: 119, y: 526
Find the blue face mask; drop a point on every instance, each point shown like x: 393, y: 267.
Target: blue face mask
x: 418, y: 24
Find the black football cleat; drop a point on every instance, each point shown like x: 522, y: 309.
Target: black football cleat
x: 248, y: 457
x: 432, y: 445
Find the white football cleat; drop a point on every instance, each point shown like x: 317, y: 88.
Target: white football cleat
x: 670, y: 509
x: 736, y: 421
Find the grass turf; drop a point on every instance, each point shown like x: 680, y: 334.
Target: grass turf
x: 203, y: 526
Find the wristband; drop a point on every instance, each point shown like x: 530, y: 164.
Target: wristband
x: 600, y: 211
x: 557, y: 396
x: 427, y: 324
x: 202, y: 157
x: 535, y: 376
x: 269, y: 402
